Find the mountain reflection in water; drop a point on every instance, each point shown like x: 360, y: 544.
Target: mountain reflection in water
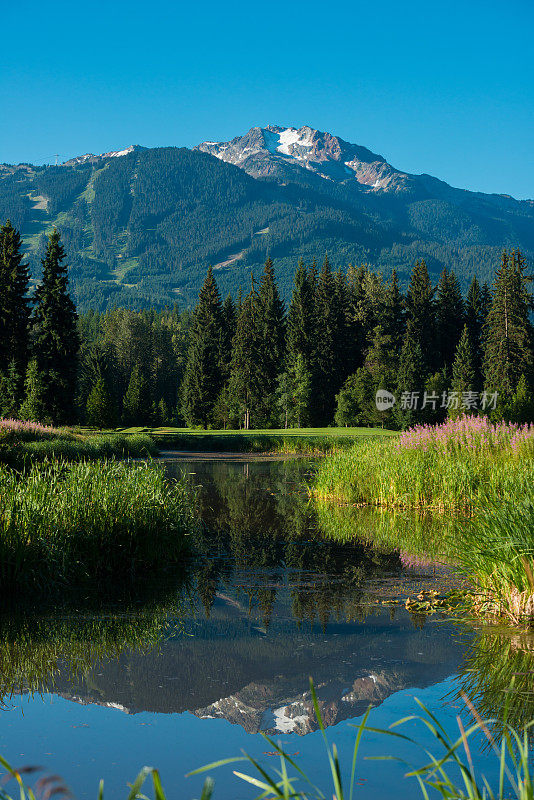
x: 267, y: 602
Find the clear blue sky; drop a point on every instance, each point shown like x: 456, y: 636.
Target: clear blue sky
x: 440, y: 87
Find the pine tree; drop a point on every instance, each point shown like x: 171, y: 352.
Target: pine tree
x: 272, y: 334
x: 14, y: 307
x: 508, y: 333
x: 463, y: 374
x: 328, y: 332
x: 410, y: 382
x: 100, y: 408
x: 35, y: 406
x: 420, y: 314
x: 301, y: 319
x: 393, y: 322
x: 246, y: 382
x: 204, y: 372
x: 521, y: 407
x: 10, y: 391
x: 449, y: 318
x: 55, y: 335
x: 295, y: 392
x: 475, y: 318
x: 135, y: 405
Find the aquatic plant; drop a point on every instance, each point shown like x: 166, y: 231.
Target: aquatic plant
x: 451, y: 467
x: 62, y: 522
x: 497, y: 551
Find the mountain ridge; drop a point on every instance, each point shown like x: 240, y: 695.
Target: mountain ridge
x: 141, y: 225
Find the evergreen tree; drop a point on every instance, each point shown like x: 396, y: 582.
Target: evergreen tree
x: 294, y: 393
x: 10, y: 391
x: 329, y: 329
x: 272, y: 334
x: 35, y: 407
x: 475, y: 318
x: 508, y: 334
x: 301, y: 319
x: 393, y: 322
x: 55, y: 335
x: 463, y: 375
x: 135, y: 405
x: 521, y: 407
x: 420, y: 314
x: 229, y: 315
x: 14, y: 307
x: 204, y: 370
x: 100, y: 408
x: 411, y: 380
x: 449, y: 318
x: 246, y: 380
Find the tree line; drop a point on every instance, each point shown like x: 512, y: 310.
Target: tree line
x: 348, y: 335
x: 346, y: 339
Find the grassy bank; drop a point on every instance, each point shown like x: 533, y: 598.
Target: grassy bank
x: 75, y: 523
x: 27, y: 442
x: 482, y: 475
x: 315, y: 441
x: 452, y: 467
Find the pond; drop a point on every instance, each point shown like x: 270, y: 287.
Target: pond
x: 196, y: 666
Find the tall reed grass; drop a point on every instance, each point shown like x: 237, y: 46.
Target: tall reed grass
x: 27, y: 442
x: 450, y: 467
x: 498, y: 552
x: 62, y: 523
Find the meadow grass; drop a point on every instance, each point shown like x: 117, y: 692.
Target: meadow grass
x: 317, y: 441
x: 25, y: 442
x: 468, y: 467
x: 64, y: 523
x: 453, y: 467
x: 498, y: 551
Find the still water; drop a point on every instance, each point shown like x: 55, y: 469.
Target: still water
x: 194, y: 667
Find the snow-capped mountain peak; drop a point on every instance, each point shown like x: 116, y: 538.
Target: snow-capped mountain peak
x: 275, y: 149
x: 92, y: 158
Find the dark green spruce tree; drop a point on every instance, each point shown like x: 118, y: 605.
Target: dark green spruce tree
x: 449, y: 319
x: 393, y: 321
x: 328, y: 332
x: 204, y: 371
x: 463, y: 376
x: 421, y: 314
x: 245, y: 387
x: 411, y: 378
x: 272, y: 334
x: 475, y: 318
x: 55, y: 336
x: 14, y: 313
x: 508, y: 334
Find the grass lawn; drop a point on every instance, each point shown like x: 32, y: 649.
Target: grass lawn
x: 353, y: 432
x: 292, y: 440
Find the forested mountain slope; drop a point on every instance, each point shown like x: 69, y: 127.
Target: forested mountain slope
x: 141, y: 225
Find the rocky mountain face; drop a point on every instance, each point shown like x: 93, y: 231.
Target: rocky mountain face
x: 90, y: 158
x: 141, y: 225
x: 274, y: 152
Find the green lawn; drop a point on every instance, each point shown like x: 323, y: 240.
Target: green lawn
x: 292, y: 440
x: 353, y: 432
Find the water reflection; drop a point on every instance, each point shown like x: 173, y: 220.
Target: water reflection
x: 271, y: 597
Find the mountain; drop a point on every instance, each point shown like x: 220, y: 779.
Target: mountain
x: 275, y: 152
x: 140, y: 225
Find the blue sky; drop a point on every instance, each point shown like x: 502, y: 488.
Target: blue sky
x: 445, y: 88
